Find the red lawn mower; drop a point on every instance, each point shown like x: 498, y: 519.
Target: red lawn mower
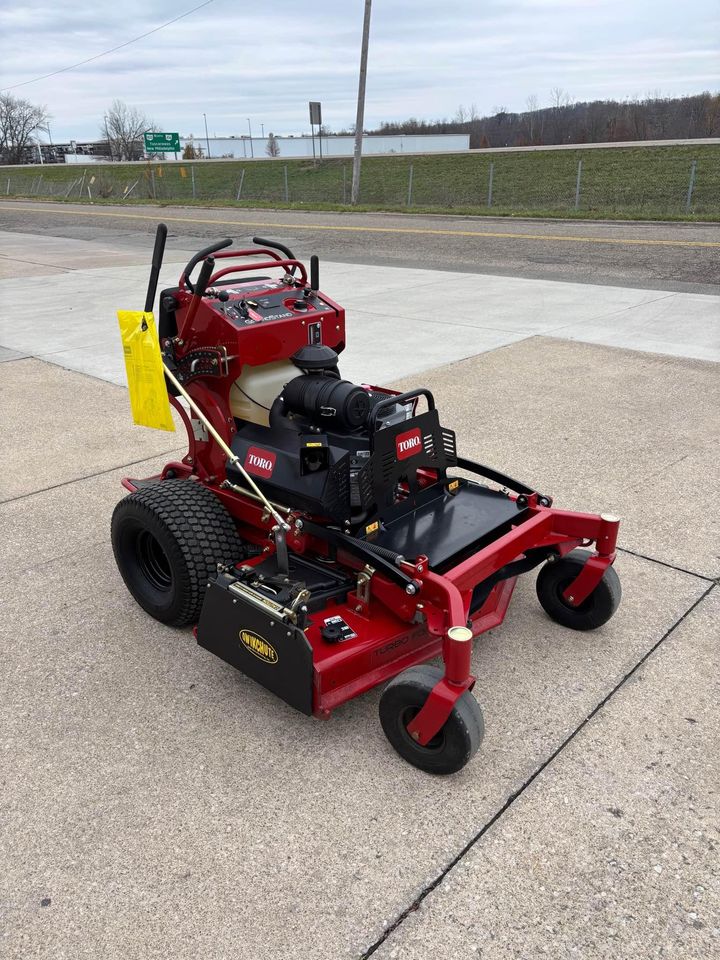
x: 316, y: 533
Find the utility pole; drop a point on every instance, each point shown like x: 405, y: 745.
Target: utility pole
x: 207, y: 138
x: 360, y: 118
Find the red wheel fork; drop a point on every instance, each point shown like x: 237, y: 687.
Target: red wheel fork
x: 457, y: 653
x: 592, y: 573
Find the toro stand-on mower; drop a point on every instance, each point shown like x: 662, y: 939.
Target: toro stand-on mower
x: 316, y: 532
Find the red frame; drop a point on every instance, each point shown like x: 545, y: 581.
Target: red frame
x: 394, y: 630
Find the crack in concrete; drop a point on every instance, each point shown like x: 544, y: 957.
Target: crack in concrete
x: 90, y: 476
x: 34, y: 263
x: 671, y: 566
x: 430, y: 887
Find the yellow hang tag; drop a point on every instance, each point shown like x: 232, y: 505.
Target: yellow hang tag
x: 145, y: 376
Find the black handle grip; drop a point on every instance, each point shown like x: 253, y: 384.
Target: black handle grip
x: 401, y: 398
x: 200, y: 255
x: 204, y: 278
x: 276, y: 245
x: 314, y: 273
x: 157, y: 259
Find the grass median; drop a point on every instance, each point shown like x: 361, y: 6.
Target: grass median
x: 671, y: 182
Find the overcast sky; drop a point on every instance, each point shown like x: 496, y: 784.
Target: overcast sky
x: 426, y: 57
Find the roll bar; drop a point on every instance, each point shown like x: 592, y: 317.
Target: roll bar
x: 400, y: 398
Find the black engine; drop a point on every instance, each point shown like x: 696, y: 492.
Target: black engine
x: 337, y: 449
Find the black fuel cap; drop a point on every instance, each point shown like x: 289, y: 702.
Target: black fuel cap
x: 332, y: 632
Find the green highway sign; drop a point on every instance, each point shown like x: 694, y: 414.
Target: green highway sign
x: 162, y: 142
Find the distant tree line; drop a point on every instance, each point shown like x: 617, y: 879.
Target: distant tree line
x: 564, y: 121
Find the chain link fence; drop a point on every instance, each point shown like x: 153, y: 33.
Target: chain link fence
x: 592, y: 182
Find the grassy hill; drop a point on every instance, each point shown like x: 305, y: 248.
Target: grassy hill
x: 634, y: 182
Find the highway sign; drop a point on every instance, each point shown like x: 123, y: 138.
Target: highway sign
x: 162, y: 142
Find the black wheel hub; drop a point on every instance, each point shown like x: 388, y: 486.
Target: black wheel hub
x: 406, y: 717
x: 153, y: 562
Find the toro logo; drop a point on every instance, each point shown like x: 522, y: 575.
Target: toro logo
x: 407, y: 444
x: 259, y: 462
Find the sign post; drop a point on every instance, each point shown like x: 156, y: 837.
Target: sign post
x: 162, y: 142
x: 316, y: 119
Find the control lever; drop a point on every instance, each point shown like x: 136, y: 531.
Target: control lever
x: 200, y: 287
x: 314, y: 273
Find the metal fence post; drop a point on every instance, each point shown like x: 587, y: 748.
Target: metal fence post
x: 240, y: 185
x: 152, y: 181
x: 490, y: 183
x: 192, y: 178
x: 344, y: 184
x: 691, y: 186
x: 577, y: 185
x: 410, y: 182
x: 287, y: 191
x: 7, y: 192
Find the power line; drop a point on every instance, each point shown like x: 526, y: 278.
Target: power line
x: 113, y: 49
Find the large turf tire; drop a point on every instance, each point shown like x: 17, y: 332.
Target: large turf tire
x: 457, y: 741
x: 593, y: 612
x: 168, y: 538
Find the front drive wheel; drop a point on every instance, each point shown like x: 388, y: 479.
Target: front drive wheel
x: 168, y: 538
x: 553, y: 580
x: 455, y: 744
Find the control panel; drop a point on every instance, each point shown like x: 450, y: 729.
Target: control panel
x: 246, y: 305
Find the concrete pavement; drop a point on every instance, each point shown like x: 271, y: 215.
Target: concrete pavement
x: 157, y: 803
x: 612, y: 851
x: 68, y: 317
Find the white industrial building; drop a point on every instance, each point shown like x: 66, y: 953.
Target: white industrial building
x: 241, y: 148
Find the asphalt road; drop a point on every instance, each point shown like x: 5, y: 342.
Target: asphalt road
x: 667, y: 256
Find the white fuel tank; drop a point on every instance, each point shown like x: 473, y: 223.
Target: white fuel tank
x: 255, y: 390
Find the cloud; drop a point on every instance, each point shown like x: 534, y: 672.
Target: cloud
x: 425, y: 58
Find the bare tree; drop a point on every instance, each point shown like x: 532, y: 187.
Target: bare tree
x: 559, y: 114
x: 531, y: 119
x: 272, y: 148
x: 19, y: 119
x: 123, y: 128
x: 192, y: 151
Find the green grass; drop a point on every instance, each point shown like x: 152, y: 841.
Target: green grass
x: 644, y: 183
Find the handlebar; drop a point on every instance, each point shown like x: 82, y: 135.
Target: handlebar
x: 201, y: 255
x: 289, y: 265
x: 276, y: 245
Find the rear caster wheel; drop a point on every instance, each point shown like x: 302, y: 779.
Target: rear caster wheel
x: 553, y: 580
x: 454, y: 745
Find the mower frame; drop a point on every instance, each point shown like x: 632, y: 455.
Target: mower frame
x: 403, y: 612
